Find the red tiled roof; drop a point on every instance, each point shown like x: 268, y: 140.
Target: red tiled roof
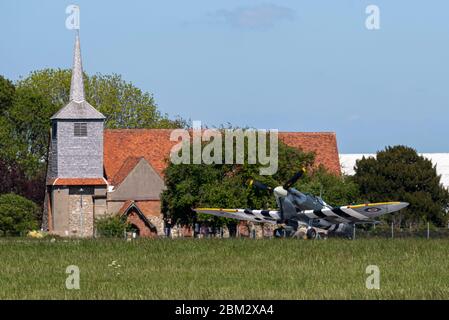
x: 155, y: 145
x: 125, y: 169
x: 152, y: 144
x: 323, y: 144
x: 77, y: 182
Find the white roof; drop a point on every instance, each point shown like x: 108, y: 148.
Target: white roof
x: 441, y: 160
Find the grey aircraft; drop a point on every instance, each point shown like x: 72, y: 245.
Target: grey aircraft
x: 305, y: 215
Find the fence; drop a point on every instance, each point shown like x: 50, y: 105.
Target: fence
x: 383, y: 230
x: 391, y: 231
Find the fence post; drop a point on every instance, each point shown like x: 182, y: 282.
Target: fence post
x: 428, y: 230
x: 392, y: 229
x: 353, y: 231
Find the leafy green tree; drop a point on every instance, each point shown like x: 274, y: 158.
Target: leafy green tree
x: 124, y: 105
x: 29, y: 121
x: 7, y: 92
x: 17, y: 214
x: 23, y: 145
x: 399, y: 174
x: 335, y: 190
x: 21, y: 154
x: 8, y: 149
x: 14, y: 179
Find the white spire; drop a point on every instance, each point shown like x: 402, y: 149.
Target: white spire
x: 77, y: 108
x: 77, y: 85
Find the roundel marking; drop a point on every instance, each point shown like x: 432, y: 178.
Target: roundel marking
x: 373, y: 209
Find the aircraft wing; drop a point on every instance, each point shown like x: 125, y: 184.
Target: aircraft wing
x: 355, y: 213
x: 265, y: 216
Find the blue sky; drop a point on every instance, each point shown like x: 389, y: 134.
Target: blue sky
x: 288, y: 65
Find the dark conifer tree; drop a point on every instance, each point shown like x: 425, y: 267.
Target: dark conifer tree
x: 399, y: 174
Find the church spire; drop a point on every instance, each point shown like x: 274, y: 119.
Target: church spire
x: 77, y: 108
x: 77, y: 85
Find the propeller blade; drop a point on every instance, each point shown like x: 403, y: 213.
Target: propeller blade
x: 260, y: 185
x: 293, y: 179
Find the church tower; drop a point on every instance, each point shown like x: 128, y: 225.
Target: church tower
x: 75, y: 182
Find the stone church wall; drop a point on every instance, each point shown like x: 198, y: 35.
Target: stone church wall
x: 81, y: 220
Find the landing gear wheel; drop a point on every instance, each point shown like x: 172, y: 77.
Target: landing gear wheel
x: 311, y: 234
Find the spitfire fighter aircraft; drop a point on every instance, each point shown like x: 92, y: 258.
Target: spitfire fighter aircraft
x: 305, y: 215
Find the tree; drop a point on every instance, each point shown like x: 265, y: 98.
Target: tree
x: 335, y: 190
x: 17, y: 214
x: 124, y: 105
x: 226, y: 185
x: 7, y: 95
x: 29, y: 121
x: 7, y: 91
x: 14, y: 179
x: 399, y: 174
x: 20, y: 172
x: 23, y: 143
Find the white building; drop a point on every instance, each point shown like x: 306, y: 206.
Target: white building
x: 441, y: 160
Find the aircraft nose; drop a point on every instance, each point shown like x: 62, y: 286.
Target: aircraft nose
x: 280, y: 191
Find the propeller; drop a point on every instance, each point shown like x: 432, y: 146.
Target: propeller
x: 293, y: 179
x: 286, y: 185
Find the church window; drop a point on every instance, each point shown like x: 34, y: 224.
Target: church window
x: 80, y: 129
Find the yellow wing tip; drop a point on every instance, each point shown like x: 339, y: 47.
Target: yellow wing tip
x: 373, y: 204
x: 215, y: 209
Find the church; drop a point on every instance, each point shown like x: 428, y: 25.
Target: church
x: 93, y: 171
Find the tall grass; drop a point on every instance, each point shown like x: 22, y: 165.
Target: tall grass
x: 224, y: 269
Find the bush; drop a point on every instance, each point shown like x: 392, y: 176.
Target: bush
x: 112, y: 226
x: 18, y: 215
x: 399, y: 174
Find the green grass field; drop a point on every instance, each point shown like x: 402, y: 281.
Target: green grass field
x: 224, y: 269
